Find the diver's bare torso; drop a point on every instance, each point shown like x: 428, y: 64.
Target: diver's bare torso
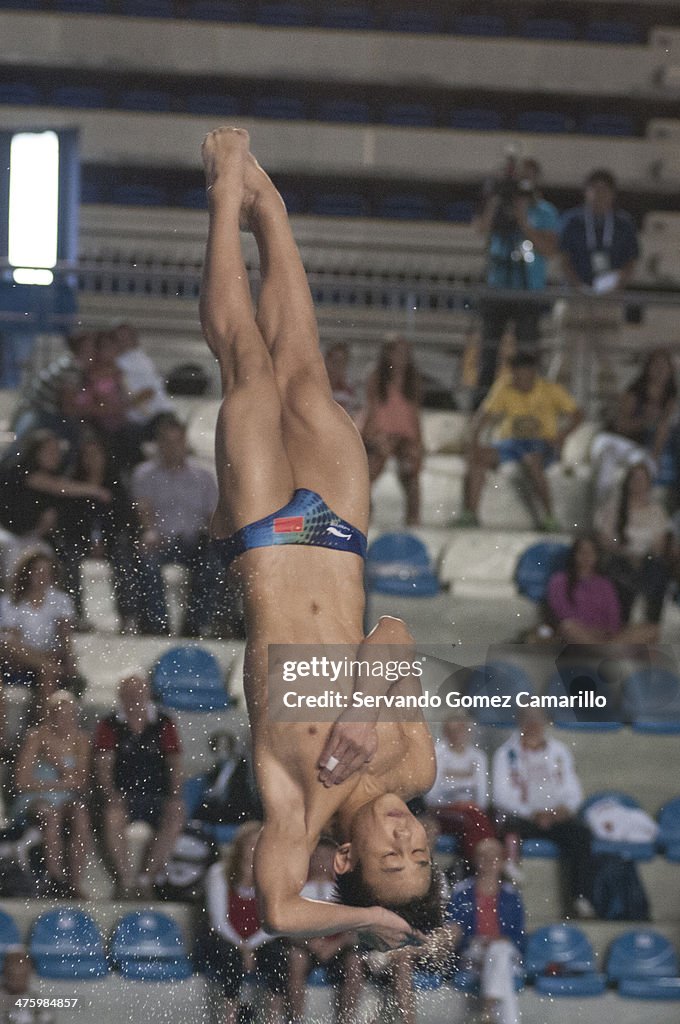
x: 283, y: 606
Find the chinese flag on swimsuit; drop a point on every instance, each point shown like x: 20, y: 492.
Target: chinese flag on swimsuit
x: 289, y: 524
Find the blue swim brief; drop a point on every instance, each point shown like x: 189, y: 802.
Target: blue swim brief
x: 306, y: 519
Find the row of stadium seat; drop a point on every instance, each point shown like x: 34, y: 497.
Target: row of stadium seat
x: 351, y: 16
x: 279, y: 106
x: 148, y: 945
x: 66, y: 943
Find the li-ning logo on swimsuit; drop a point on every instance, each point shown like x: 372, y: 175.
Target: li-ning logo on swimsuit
x: 339, y: 531
x: 289, y: 524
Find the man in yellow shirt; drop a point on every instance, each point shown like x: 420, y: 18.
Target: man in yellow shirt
x: 533, y: 417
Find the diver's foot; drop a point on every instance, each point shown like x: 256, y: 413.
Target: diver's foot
x: 260, y: 195
x: 224, y: 153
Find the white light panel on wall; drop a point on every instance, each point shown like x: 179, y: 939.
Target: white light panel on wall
x: 33, y: 206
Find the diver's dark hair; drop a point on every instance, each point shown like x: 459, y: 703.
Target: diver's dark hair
x: 424, y: 912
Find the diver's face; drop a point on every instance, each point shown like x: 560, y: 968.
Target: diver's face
x: 391, y: 845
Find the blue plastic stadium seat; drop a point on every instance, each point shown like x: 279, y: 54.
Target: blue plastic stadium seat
x: 641, y: 953
x: 669, y: 828
x: 148, y: 946
x: 283, y: 108
x: 209, y: 103
x: 10, y: 936
x: 644, y: 965
x: 139, y: 195
x: 627, y: 850
x: 85, y: 96
x: 350, y: 111
x: 218, y: 10
x: 66, y: 943
x: 19, y: 94
x: 561, y: 961
x: 497, y: 679
x: 339, y: 204
x: 650, y: 988
x: 535, y: 567
x: 476, y: 119
x: 190, y: 678
x: 149, y: 8
x: 479, y: 25
x: 462, y: 211
x: 613, y: 32
x: 82, y: 6
x: 573, y: 679
x: 548, y: 28
x: 399, y: 564
x: 145, y: 99
x: 651, y: 699
x: 412, y: 114
x: 540, y: 848
x: 282, y: 14
x: 348, y: 16
x: 405, y: 206
x: 542, y: 121
x: 608, y: 124
x: 412, y: 20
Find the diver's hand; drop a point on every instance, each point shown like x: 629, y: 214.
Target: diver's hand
x: 350, y: 745
x: 387, y: 930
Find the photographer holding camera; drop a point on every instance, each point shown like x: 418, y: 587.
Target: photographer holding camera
x: 521, y: 229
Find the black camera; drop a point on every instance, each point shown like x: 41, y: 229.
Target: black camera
x: 508, y: 190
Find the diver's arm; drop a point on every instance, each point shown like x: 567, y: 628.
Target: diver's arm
x: 353, y: 741
x: 281, y: 866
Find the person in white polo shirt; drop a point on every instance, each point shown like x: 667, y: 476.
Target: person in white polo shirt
x: 537, y: 792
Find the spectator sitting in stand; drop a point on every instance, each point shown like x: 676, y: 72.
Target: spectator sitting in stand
x: 33, y: 493
x: 344, y: 391
x: 231, y: 943
x: 584, y: 605
x: 230, y: 796
x: 521, y: 230
x: 490, y: 917
x: 91, y: 528
x: 137, y: 761
x: 641, y: 426
x: 537, y: 791
x: 18, y: 985
x: 36, y: 619
x: 636, y: 532
x: 175, y: 499
x: 528, y: 409
x: 391, y: 421
x: 51, y: 778
x: 336, y: 953
x: 460, y: 795
x: 50, y: 401
x: 147, y: 394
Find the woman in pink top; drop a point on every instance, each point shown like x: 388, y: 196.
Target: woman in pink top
x: 584, y: 603
x: 392, y: 421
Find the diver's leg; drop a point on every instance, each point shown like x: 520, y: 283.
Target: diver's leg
x: 324, y: 448
x: 252, y: 466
